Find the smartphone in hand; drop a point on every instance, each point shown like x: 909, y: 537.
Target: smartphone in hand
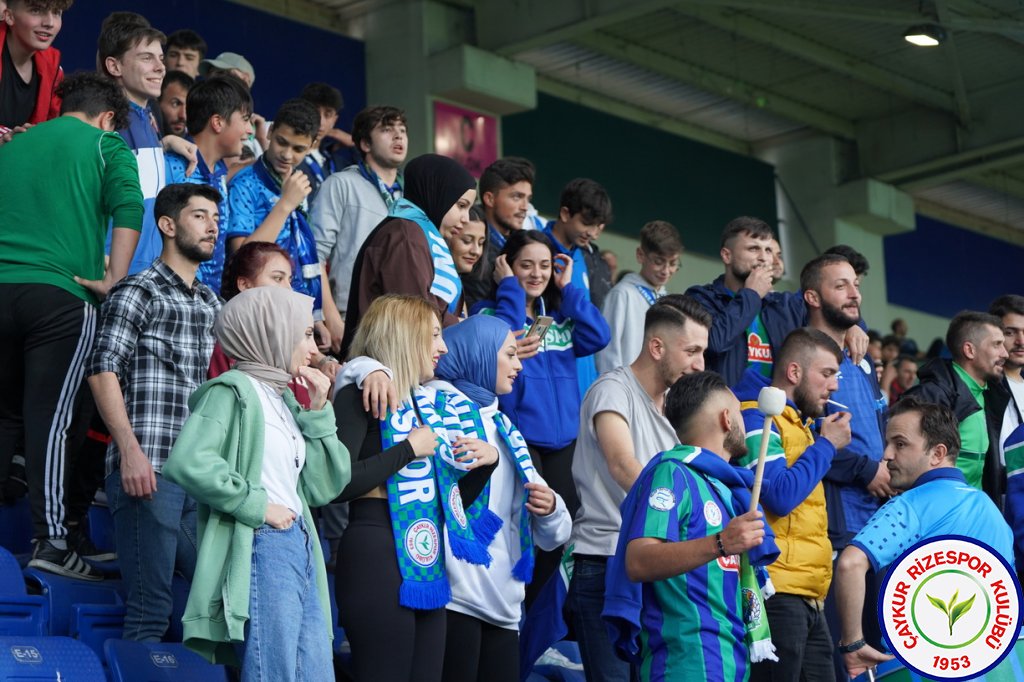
x: 540, y: 326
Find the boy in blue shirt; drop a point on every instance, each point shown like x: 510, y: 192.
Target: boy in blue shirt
x: 584, y: 210
x: 268, y: 201
x: 218, y: 112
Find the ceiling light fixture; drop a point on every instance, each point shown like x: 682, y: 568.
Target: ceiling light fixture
x: 925, y: 35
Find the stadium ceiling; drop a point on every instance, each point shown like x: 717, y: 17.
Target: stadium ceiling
x: 944, y: 123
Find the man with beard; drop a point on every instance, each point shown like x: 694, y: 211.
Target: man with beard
x: 152, y: 351
x: 970, y: 386
x: 921, y: 451
x: 858, y: 480
x: 622, y: 426
x: 806, y: 369
x: 1010, y: 309
x: 683, y: 531
x: 750, y: 319
x: 173, y: 99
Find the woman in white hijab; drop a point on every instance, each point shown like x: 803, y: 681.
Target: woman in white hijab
x: 256, y: 461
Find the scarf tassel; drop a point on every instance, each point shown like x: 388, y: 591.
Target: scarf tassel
x: 762, y: 650
x: 469, y: 550
x: 523, y: 570
x: 424, y: 596
x: 485, y: 526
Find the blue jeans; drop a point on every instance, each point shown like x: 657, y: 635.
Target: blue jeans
x: 154, y: 538
x: 586, y: 601
x: 286, y: 638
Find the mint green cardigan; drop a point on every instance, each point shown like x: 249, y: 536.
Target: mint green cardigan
x: 218, y: 460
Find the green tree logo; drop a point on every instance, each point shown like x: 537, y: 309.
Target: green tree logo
x: 953, y: 610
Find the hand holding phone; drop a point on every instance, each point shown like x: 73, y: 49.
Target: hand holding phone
x: 540, y: 326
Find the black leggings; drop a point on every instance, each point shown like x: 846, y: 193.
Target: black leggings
x: 389, y: 642
x: 480, y: 652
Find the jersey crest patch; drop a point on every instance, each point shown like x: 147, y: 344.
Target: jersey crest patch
x: 712, y: 514
x: 662, y: 499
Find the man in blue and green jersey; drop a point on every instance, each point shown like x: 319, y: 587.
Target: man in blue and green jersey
x: 970, y: 385
x: 682, y: 538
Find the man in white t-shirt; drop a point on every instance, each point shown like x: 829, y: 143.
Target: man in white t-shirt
x: 621, y: 428
x: 1010, y: 309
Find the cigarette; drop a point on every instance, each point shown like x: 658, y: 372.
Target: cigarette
x: 839, y: 405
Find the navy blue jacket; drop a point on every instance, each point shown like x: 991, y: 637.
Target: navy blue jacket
x: 781, y: 313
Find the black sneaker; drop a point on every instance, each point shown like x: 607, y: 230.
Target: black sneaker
x: 79, y: 541
x: 65, y: 562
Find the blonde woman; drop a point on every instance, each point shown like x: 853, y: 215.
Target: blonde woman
x: 408, y: 492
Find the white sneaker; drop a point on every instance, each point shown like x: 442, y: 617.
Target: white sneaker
x: 556, y: 658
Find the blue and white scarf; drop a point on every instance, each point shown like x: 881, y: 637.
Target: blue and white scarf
x: 423, y: 495
x: 389, y: 193
x: 446, y: 285
x: 463, y: 415
x: 301, y: 245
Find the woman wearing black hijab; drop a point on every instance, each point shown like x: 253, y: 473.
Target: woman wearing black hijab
x: 406, y: 253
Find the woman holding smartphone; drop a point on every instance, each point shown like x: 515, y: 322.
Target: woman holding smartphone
x: 392, y: 581
x: 533, y: 283
x: 484, y: 613
x: 255, y: 461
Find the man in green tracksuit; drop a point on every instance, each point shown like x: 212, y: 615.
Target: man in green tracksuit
x: 63, y: 182
x: 970, y: 386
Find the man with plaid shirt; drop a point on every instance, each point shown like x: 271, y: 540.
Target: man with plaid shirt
x: 152, y: 351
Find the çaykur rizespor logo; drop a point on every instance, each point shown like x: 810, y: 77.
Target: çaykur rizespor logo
x: 950, y: 608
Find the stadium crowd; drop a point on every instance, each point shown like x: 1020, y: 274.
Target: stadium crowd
x: 252, y: 333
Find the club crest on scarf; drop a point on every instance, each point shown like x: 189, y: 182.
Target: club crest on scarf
x: 423, y: 497
x: 462, y: 415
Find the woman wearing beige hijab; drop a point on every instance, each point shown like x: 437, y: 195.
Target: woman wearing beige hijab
x: 256, y: 461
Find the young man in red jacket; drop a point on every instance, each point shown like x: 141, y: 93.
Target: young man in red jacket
x: 29, y: 64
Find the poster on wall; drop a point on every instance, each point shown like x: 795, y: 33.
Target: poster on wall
x: 469, y: 137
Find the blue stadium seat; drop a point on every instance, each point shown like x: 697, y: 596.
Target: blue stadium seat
x: 61, y: 594
x: 94, y: 624
x: 158, y: 662
x: 20, y: 612
x: 16, y: 527
x: 23, y: 659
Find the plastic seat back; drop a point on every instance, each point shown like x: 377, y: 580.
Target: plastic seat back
x: 61, y: 594
x: 48, y: 658
x: 158, y: 662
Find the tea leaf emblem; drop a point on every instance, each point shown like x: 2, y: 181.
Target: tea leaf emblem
x: 954, y: 611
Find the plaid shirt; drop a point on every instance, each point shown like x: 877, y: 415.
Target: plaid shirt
x: 156, y: 335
